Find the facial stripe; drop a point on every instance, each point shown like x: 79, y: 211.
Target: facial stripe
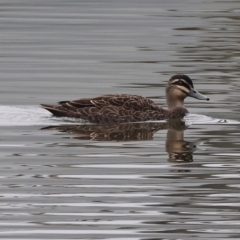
x: 186, y: 85
x: 181, y: 82
x: 183, y: 89
x: 174, y: 81
x: 181, y: 77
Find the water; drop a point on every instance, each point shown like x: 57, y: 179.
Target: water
x: 64, y: 179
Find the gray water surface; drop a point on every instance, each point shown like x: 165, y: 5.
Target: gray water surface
x: 63, y: 179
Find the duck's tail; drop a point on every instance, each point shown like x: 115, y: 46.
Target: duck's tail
x: 56, y: 110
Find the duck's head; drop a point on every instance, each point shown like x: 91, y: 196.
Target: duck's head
x: 178, y: 88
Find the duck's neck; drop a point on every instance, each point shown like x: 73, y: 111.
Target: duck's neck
x: 176, y: 107
x: 173, y: 102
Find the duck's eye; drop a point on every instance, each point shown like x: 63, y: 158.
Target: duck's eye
x: 180, y: 83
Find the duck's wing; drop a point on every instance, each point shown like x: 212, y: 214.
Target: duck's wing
x: 108, y: 109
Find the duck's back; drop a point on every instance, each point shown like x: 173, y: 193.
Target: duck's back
x: 109, y: 109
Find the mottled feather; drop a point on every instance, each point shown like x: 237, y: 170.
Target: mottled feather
x: 110, y: 109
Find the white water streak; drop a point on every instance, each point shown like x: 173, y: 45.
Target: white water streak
x: 35, y: 115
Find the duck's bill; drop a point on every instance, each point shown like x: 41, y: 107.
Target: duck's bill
x: 195, y: 94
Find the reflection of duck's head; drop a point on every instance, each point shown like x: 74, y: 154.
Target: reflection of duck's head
x: 182, y: 154
x: 178, y: 88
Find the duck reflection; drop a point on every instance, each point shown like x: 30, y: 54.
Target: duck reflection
x: 178, y: 149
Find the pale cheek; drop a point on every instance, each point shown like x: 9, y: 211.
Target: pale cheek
x: 179, y: 94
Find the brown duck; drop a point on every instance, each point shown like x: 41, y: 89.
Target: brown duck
x: 119, y: 108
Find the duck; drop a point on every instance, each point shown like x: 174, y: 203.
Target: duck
x: 123, y: 108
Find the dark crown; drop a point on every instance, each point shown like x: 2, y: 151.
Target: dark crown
x: 184, y: 78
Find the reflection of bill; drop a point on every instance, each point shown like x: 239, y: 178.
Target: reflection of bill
x: 178, y: 149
